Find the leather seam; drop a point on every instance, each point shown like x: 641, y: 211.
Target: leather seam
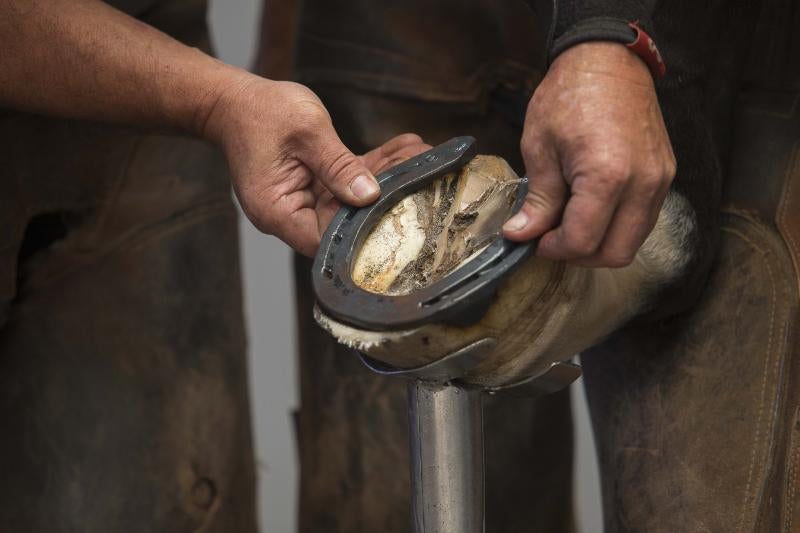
x: 143, y: 235
x: 792, y: 477
x: 381, y: 84
x: 328, y: 42
x: 783, y: 226
x: 390, y: 55
x: 767, y: 366
x: 121, y: 179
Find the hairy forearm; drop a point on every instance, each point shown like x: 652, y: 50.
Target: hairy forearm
x: 83, y: 59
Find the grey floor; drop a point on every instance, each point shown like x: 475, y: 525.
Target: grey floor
x: 271, y: 328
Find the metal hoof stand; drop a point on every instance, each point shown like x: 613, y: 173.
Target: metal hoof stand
x: 446, y: 435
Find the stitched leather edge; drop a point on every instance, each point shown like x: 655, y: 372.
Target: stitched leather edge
x: 765, y: 439
x: 790, y: 205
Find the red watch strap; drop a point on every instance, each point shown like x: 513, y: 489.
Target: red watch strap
x: 645, y: 47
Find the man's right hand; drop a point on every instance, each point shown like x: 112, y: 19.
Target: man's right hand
x: 288, y: 165
x: 598, y: 157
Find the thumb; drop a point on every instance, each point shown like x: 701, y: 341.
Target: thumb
x: 341, y: 171
x: 547, y: 193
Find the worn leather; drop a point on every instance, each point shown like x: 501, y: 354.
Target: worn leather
x: 278, y: 40
x: 123, y: 387
x: 690, y: 413
x: 696, y: 416
x: 788, y: 217
x: 769, y: 125
x: 443, y: 51
x: 123, y: 377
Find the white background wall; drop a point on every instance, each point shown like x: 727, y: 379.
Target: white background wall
x: 268, y: 300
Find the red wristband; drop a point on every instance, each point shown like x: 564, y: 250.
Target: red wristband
x: 645, y: 47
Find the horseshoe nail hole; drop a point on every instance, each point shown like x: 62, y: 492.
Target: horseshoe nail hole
x: 204, y: 492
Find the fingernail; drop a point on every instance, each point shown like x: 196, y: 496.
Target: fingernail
x: 517, y: 222
x: 364, y: 187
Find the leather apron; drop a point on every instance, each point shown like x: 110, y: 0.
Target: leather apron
x: 696, y: 416
x: 123, y: 377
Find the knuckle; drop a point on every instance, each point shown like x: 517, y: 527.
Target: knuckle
x: 405, y: 139
x: 537, y: 154
x: 537, y: 101
x: 649, y: 186
x: 580, y: 244
x: 525, y: 141
x: 671, y: 169
x: 601, y: 184
x: 617, y: 259
x: 310, y: 118
x: 613, y: 172
x: 262, y: 221
x: 606, y: 159
x: 531, y: 139
x: 411, y: 151
x: 603, y: 175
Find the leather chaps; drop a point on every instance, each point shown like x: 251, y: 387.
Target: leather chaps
x: 123, y: 378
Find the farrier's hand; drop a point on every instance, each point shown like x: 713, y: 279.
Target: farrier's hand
x: 598, y: 158
x: 391, y: 153
x: 286, y: 160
